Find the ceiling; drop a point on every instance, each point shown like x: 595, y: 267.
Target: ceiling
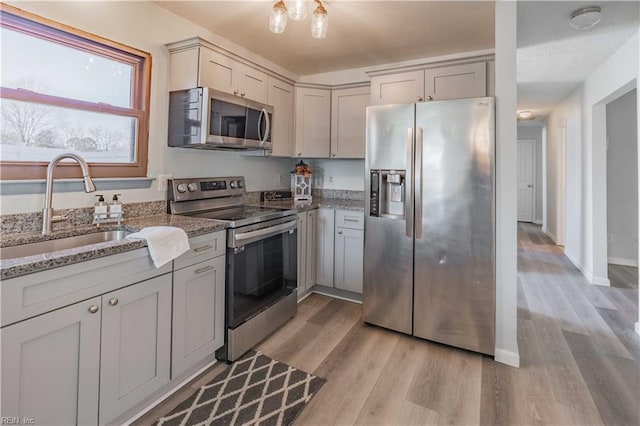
x: 554, y: 59
x: 361, y: 33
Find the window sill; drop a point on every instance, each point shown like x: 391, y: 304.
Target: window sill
x: 38, y: 186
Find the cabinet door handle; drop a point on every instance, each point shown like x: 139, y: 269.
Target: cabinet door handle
x: 93, y: 309
x: 205, y: 269
x: 203, y: 248
x: 429, y: 98
x: 333, y: 154
x: 235, y: 92
x: 340, y: 232
x: 419, y: 99
x: 299, y: 154
x: 242, y: 94
x: 113, y: 302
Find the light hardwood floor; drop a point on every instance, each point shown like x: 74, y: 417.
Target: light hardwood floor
x: 580, y: 358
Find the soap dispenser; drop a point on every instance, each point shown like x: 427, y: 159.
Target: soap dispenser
x: 100, y: 208
x: 115, y: 208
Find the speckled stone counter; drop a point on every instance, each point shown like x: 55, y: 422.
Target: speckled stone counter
x: 329, y: 203
x: 10, y: 268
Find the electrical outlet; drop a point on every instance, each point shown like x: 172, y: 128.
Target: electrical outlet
x: 330, y: 179
x: 279, y: 179
x: 163, y: 182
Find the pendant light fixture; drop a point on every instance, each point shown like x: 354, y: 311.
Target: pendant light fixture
x: 297, y: 11
x: 278, y: 18
x: 319, y: 21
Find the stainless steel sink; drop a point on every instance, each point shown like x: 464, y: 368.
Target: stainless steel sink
x: 61, y: 244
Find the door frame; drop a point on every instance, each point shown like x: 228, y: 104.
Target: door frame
x: 534, y: 160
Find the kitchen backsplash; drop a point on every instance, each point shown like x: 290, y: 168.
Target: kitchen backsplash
x: 32, y: 222
x: 336, y: 194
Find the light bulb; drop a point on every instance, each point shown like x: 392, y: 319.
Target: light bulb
x: 278, y: 18
x: 297, y: 9
x: 319, y: 23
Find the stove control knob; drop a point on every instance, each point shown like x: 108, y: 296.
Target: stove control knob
x: 234, y: 184
x: 182, y: 188
x: 193, y: 187
x: 240, y: 184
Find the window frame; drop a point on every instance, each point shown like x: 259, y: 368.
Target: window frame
x: 37, y: 26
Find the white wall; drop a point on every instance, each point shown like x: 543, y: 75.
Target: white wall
x: 622, y: 179
x: 583, y: 113
x: 148, y: 27
x: 506, y: 185
x: 535, y: 133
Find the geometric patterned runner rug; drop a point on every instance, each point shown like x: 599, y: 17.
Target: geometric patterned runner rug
x: 256, y: 390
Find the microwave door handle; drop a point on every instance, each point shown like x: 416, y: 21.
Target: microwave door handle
x: 267, y: 127
x: 260, y: 124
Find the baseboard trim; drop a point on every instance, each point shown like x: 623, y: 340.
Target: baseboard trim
x: 623, y: 262
x: 550, y: 235
x: 510, y: 358
x: 600, y: 281
x: 337, y: 293
x: 638, y: 327
x: 538, y: 222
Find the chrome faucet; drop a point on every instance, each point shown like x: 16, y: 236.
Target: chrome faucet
x: 47, y: 212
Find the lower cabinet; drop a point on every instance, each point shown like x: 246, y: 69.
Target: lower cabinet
x: 307, y: 228
x: 110, y: 352
x: 198, y: 313
x: 349, y: 259
x: 51, y: 366
x: 325, y: 247
x: 136, y: 345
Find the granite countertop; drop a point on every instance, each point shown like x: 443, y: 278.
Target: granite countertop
x: 10, y: 268
x: 329, y: 203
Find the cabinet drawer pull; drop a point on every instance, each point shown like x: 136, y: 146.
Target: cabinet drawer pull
x: 340, y: 232
x: 203, y: 248
x: 113, y: 302
x: 93, y: 309
x: 349, y: 219
x: 205, y: 269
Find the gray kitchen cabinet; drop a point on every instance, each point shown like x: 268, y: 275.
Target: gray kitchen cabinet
x: 312, y: 227
x: 136, y: 345
x: 51, y: 366
x: 313, y: 122
x: 281, y: 97
x: 349, y: 250
x: 454, y: 82
x: 400, y: 88
x: 436, y: 83
x: 307, y: 229
x: 325, y: 247
x: 198, y: 313
x: 195, y: 64
x: 302, y: 253
x: 348, y: 121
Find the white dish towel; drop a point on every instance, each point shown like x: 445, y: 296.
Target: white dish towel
x: 165, y: 242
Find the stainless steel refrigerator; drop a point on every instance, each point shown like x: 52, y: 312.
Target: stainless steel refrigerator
x: 429, y: 265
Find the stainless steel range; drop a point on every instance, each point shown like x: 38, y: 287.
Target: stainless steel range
x: 261, y: 259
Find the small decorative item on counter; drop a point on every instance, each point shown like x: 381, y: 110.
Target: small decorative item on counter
x: 301, y: 182
x: 107, y: 213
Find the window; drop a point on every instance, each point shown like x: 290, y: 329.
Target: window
x: 64, y: 90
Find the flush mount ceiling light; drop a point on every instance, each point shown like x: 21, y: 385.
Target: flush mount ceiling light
x: 525, y: 115
x: 297, y: 10
x: 585, y: 18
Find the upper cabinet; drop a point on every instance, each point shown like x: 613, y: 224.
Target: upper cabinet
x: 398, y: 88
x: 200, y: 66
x: 313, y: 122
x: 348, y: 122
x: 448, y: 82
x: 455, y: 82
x: 281, y: 96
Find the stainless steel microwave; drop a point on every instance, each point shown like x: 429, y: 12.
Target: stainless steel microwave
x: 209, y: 119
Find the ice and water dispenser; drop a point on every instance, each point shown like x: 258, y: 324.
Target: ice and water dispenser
x: 387, y: 193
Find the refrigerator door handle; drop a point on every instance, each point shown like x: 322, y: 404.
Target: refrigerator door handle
x: 418, y: 181
x: 409, y: 186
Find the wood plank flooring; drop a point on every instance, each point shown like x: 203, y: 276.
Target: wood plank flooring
x: 580, y: 358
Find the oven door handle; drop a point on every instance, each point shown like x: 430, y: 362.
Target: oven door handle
x: 266, y: 232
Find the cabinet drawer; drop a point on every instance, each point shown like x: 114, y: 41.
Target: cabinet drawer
x: 203, y: 247
x: 349, y: 219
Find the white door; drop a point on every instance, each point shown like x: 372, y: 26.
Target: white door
x: 525, y: 180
